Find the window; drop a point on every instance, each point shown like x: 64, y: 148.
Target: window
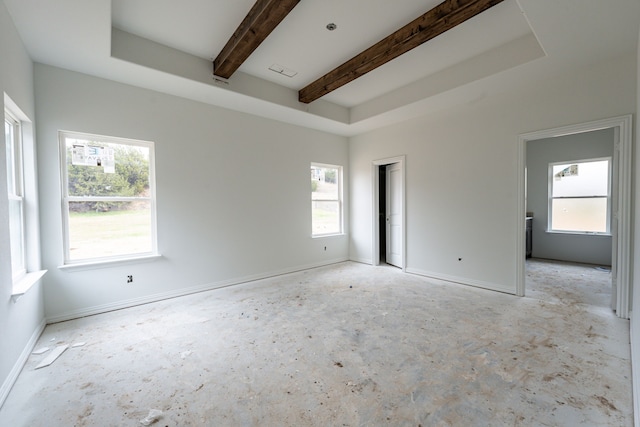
x: 326, y: 199
x: 109, y: 197
x: 15, y: 191
x: 580, y: 194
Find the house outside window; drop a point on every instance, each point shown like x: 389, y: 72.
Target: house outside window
x: 580, y: 196
x: 108, y: 197
x: 326, y: 200
x: 15, y: 191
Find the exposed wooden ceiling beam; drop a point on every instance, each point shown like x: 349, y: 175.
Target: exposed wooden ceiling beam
x: 436, y: 21
x: 262, y: 19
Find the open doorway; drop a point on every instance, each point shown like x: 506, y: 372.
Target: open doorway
x: 389, y: 212
x: 569, y: 195
x: 382, y: 212
x: 619, y: 205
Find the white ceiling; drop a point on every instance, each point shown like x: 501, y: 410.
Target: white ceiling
x: 516, y: 36
x: 302, y: 42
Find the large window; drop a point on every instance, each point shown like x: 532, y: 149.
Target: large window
x: 326, y: 199
x: 109, y: 197
x: 15, y: 191
x: 580, y: 196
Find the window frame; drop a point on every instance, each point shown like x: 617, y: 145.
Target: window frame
x: 608, y: 197
x: 17, y: 193
x: 338, y: 200
x: 67, y: 199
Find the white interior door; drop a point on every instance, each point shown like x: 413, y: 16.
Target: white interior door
x: 394, y: 215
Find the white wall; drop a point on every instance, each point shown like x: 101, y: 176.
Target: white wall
x: 462, y: 174
x: 635, y: 289
x: 20, y: 322
x: 233, y: 192
x: 565, y: 247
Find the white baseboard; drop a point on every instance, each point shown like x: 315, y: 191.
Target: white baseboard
x: 461, y: 281
x: 635, y: 369
x: 89, y: 311
x: 362, y: 260
x: 17, y: 367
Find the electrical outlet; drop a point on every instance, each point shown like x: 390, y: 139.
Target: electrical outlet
x: 129, y: 279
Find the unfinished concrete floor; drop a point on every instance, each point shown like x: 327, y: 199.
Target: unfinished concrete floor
x: 345, y: 345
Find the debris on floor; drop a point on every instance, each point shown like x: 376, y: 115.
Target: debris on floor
x: 53, y: 356
x: 78, y: 344
x: 41, y: 350
x: 153, y: 416
x: 400, y: 351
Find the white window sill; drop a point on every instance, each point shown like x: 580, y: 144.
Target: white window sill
x: 579, y: 233
x: 320, y: 236
x: 93, y: 265
x: 25, y: 283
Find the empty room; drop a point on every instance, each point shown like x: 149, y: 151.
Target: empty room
x: 226, y: 213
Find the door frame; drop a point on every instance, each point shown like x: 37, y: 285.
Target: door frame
x: 622, y: 126
x: 375, y: 165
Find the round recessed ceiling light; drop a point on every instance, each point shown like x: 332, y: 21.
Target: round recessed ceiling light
x: 331, y: 26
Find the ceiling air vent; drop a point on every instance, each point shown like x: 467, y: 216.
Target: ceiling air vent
x: 283, y: 70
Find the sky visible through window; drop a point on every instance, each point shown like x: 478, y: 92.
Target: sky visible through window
x: 580, y: 196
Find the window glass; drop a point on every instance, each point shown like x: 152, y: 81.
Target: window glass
x: 93, y: 171
x: 109, y: 204
x: 581, y: 179
x: 326, y: 200
x: 9, y: 133
x: 15, y: 194
x: 580, y: 214
x: 580, y: 196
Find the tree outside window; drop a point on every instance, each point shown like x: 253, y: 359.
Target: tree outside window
x: 108, y: 197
